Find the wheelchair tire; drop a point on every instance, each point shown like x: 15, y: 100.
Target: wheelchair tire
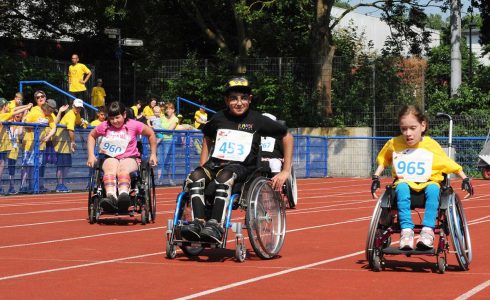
x: 459, y: 232
x: 265, y: 218
x: 93, y: 203
x: 93, y: 210
x: 372, y: 232
x: 170, y: 250
x: 485, y: 172
x: 150, y: 193
x: 292, y: 190
x: 144, y: 213
x: 240, y: 252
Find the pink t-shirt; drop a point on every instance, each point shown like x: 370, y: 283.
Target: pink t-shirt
x: 130, y: 131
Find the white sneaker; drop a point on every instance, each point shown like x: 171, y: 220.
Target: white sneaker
x: 426, y: 238
x: 406, y: 239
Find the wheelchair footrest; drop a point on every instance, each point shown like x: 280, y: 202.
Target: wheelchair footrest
x: 397, y: 251
x: 196, y: 244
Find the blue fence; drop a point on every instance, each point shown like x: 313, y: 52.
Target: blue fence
x: 314, y: 156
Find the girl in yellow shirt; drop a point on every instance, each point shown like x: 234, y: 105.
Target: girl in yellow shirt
x: 418, y: 163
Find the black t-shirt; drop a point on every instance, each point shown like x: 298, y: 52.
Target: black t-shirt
x: 252, y: 122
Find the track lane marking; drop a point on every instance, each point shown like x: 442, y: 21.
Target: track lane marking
x: 474, y: 290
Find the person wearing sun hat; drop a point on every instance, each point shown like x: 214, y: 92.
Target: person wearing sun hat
x: 64, y: 144
x: 233, y: 136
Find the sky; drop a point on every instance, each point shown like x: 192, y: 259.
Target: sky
x: 430, y: 10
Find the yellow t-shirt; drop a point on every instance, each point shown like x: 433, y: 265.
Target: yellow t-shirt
x: 15, y: 140
x: 4, y: 132
x: 95, y: 122
x: 36, y: 115
x: 148, y: 111
x: 62, y: 138
x: 203, y: 116
x: 135, y: 110
x: 441, y: 163
x: 12, y: 105
x: 75, y: 74
x: 98, y: 96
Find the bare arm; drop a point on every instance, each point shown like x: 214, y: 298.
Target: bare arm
x: 287, y: 144
x: 87, y: 77
x: 206, y: 145
x: 92, y: 136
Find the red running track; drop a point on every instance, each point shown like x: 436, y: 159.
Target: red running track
x: 49, y: 251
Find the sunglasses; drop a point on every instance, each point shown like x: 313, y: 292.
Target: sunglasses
x: 40, y: 96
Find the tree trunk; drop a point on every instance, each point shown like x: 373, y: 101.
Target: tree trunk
x: 323, y: 52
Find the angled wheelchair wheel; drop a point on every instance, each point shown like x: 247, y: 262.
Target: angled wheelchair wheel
x: 372, y: 233
x: 265, y: 218
x: 150, y: 201
x: 459, y: 232
x: 93, y: 200
x: 292, y: 190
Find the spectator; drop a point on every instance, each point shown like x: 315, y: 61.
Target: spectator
x: 78, y: 75
x: 5, y: 144
x: 98, y: 94
x: 169, y: 122
x: 100, y: 117
x: 15, y: 133
x: 200, y: 117
x: 148, y: 110
x: 136, y: 108
x: 181, y: 125
x: 16, y: 102
x: 65, y: 144
x: 42, y: 114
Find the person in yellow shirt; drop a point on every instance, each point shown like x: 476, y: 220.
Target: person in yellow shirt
x: 78, y: 75
x: 148, y: 110
x: 64, y: 144
x: 98, y: 94
x: 418, y: 164
x: 200, y: 117
x: 136, y: 108
x: 100, y: 117
x: 5, y: 143
x: 15, y: 133
x: 42, y: 114
x: 17, y: 101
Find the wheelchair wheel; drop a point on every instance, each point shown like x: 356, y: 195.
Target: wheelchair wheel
x: 459, y: 232
x: 265, y: 218
x: 150, y: 201
x: 373, y: 228
x: 291, y: 190
x: 93, y: 200
x: 93, y: 210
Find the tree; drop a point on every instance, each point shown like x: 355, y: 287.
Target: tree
x: 484, y: 7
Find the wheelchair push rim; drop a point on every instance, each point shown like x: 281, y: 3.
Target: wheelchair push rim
x: 292, y: 190
x: 266, y: 219
x: 372, y: 232
x: 459, y: 232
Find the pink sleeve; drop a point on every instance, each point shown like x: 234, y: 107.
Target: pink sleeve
x: 101, y: 128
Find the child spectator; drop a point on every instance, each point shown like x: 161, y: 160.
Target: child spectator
x: 98, y: 94
x: 5, y: 145
x: 136, y: 108
x: 100, y: 117
x: 15, y: 134
x: 200, y: 117
x: 16, y: 102
x: 65, y: 144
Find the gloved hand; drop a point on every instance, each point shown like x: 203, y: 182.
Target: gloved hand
x: 466, y: 186
x: 375, y: 185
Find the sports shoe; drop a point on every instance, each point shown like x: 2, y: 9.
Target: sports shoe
x: 123, y: 202
x: 11, y: 191
x: 212, y: 232
x: 426, y: 239
x: 406, y: 239
x: 192, y: 231
x: 109, y: 204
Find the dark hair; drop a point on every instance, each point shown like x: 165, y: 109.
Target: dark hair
x: 115, y: 109
x: 416, y: 112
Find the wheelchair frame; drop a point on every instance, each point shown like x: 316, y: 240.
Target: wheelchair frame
x: 451, y: 221
x: 266, y: 244
x: 142, y: 194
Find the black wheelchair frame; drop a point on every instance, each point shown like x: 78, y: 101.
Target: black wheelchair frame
x: 142, y: 194
x: 451, y: 221
x: 265, y: 220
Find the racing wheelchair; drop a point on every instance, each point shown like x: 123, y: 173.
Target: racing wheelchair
x: 142, y: 195
x: 265, y: 219
x: 451, y: 222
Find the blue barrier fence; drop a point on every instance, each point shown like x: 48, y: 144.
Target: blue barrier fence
x: 314, y: 156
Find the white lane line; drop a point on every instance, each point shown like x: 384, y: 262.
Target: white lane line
x: 243, y: 282
x: 81, y: 237
x: 80, y: 266
x: 42, y: 223
x: 474, y: 290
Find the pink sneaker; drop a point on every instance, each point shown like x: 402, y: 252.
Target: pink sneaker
x: 406, y: 239
x: 426, y: 239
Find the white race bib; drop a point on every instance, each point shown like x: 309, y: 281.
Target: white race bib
x: 232, y: 145
x: 413, y: 164
x: 267, y: 143
x: 114, y: 144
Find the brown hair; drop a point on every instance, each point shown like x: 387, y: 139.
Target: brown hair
x: 169, y: 105
x: 416, y: 112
